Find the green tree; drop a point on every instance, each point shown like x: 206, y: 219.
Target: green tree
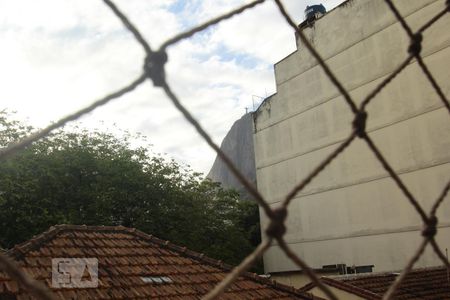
x: 96, y: 178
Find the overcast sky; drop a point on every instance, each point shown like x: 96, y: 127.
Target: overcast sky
x: 60, y: 55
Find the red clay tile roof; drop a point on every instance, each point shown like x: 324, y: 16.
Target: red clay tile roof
x: 426, y: 283
x: 124, y: 256
x: 366, y: 294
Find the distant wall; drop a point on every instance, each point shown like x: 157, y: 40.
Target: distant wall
x: 238, y: 145
x: 353, y: 213
x: 299, y: 279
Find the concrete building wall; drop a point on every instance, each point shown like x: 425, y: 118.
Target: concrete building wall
x: 353, y: 213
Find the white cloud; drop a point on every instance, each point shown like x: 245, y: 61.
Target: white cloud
x: 58, y: 56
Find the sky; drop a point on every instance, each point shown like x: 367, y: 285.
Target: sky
x: 58, y: 56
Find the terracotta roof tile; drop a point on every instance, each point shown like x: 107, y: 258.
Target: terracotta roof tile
x: 125, y: 256
x: 426, y: 283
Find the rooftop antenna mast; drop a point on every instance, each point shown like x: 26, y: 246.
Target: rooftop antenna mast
x: 253, y: 100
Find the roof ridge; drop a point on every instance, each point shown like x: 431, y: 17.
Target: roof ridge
x: 342, y: 285
x: 35, y: 242
x: 352, y: 288
x: 22, y: 248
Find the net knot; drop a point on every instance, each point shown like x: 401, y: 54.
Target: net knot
x: 416, y: 44
x: 154, y: 67
x: 359, y: 123
x: 276, y: 228
x: 430, y: 227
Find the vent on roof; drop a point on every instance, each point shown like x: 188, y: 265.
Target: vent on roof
x: 156, y: 279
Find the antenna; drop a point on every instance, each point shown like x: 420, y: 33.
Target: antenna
x: 253, y: 100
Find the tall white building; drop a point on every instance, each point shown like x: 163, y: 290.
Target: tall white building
x: 353, y: 213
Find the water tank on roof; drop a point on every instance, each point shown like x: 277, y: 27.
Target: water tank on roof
x: 313, y: 12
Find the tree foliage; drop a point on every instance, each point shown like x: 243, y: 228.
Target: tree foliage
x: 96, y: 178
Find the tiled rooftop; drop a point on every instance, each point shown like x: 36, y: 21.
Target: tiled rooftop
x: 427, y: 283
x: 131, y: 265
